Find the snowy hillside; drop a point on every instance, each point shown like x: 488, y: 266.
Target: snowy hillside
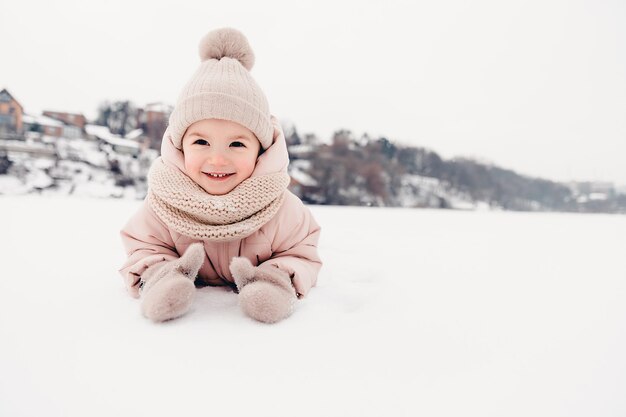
x: 417, y: 312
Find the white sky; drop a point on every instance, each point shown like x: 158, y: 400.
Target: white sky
x: 536, y: 86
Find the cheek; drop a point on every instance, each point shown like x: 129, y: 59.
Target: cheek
x: 192, y: 163
x: 247, y: 165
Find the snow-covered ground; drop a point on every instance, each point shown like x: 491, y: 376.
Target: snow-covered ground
x: 417, y: 312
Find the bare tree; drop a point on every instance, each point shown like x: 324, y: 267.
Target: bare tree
x: 119, y: 116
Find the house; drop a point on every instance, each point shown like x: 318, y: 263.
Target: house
x: 11, y: 113
x: 56, y: 124
x: 153, y: 119
x: 46, y: 126
x: 155, y: 113
x: 115, y: 142
x: 71, y: 119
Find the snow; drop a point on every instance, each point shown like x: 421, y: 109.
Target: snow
x: 159, y: 107
x: 42, y: 120
x: 301, y: 149
x: 417, y: 312
x: 39, y: 179
x: 82, y: 150
x: 296, y: 172
x: 99, y: 131
x: 598, y: 196
x: 31, y: 145
x: 134, y: 134
x: 105, y: 134
x: 12, y: 185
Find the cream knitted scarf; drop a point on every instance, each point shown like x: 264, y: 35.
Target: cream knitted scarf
x: 185, y: 207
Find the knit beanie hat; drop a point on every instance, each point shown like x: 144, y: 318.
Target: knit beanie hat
x: 222, y: 88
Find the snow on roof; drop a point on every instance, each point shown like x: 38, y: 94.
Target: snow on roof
x: 97, y: 130
x: 303, y: 178
x: 27, y: 118
x: 299, y: 149
x: 159, y: 107
x: 42, y: 120
x: 123, y: 142
x: 103, y: 132
x: 134, y: 134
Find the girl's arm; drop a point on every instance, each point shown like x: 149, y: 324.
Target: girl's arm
x: 147, y: 242
x: 294, y: 245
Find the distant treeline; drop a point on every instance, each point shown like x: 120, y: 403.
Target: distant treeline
x: 378, y: 172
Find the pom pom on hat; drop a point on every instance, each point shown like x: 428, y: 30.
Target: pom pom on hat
x: 222, y: 88
x: 227, y: 43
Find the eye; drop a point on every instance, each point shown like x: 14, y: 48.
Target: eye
x: 238, y: 144
x: 201, y: 142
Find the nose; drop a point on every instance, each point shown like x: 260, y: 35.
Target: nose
x: 216, y: 158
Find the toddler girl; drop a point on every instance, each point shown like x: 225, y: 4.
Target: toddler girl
x: 218, y: 211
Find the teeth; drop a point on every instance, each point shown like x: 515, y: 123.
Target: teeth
x: 218, y: 175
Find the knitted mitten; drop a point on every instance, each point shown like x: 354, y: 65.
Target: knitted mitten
x: 167, y: 289
x: 265, y: 292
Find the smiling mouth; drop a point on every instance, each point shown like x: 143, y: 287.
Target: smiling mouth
x: 217, y: 176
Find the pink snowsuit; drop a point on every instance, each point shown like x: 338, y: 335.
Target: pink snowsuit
x: 289, y: 240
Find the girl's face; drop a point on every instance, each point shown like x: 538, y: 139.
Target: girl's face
x: 219, y: 154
